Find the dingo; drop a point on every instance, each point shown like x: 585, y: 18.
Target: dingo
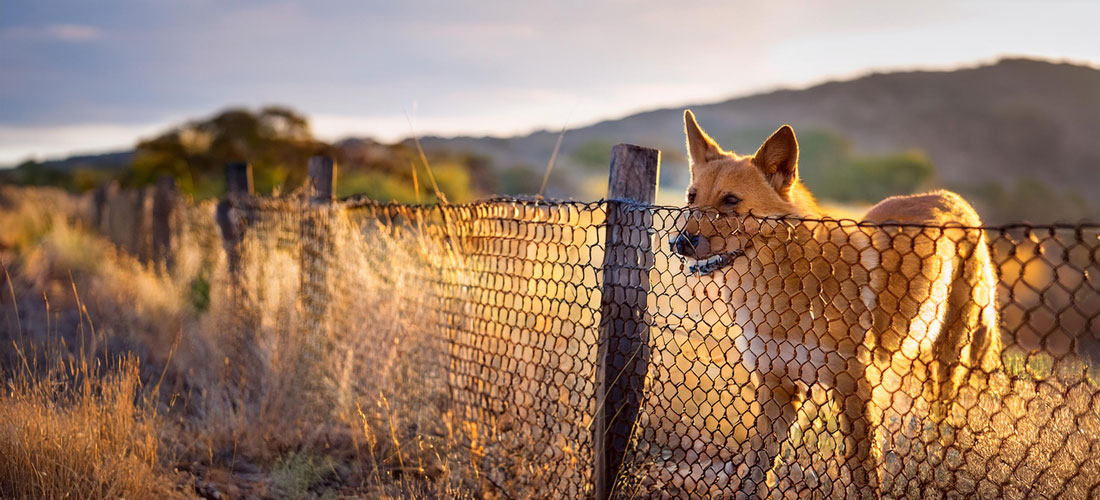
x: 887, y: 316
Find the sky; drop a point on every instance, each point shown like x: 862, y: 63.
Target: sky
x: 81, y: 76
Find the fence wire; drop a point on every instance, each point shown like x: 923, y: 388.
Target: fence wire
x: 782, y: 358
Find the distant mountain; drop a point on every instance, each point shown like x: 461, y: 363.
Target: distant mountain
x: 1017, y: 119
x: 116, y: 159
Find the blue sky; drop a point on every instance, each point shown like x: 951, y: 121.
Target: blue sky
x: 77, y: 75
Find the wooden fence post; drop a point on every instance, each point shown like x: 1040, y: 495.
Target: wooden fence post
x: 108, y: 222
x: 317, y: 242
x: 141, y: 223
x: 164, y: 207
x: 99, y: 207
x: 234, y: 218
x: 322, y: 180
x: 238, y: 187
x: 624, y: 327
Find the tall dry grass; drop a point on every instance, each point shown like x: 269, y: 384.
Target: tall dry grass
x: 72, y: 432
x: 235, y: 391
x: 74, y: 420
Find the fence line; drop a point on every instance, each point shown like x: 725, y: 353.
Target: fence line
x: 600, y: 364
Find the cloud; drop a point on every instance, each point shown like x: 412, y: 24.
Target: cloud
x: 73, y: 32
x: 69, y: 33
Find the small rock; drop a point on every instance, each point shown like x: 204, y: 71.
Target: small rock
x: 207, y: 491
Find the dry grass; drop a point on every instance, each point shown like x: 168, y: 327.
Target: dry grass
x: 69, y: 433
x: 199, y: 403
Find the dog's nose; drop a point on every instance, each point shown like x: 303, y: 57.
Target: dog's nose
x: 684, y: 244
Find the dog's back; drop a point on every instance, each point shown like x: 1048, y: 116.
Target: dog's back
x: 945, y: 261
x: 933, y: 310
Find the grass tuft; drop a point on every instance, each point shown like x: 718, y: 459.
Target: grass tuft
x: 69, y: 433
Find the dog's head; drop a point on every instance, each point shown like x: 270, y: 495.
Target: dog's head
x: 729, y: 193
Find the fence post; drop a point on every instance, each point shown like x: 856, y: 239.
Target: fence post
x: 164, y: 206
x: 99, y: 207
x: 108, y: 223
x: 624, y: 330
x: 316, y: 233
x: 238, y: 186
x: 141, y: 223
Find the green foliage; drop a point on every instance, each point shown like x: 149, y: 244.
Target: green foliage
x: 1028, y: 199
x: 870, y: 179
x: 821, y: 153
x: 386, y: 185
x: 831, y: 169
x: 453, y: 180
x: 31, y: 173
x: 86, y: 179
x: 77, y: 179
x: 519, y: 179
x: 298, y: 475
x: 379, y: 186
x: 594, y: 156
x: 276, y: 141
x: 200, y: 293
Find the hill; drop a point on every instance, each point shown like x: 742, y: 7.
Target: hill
x: 993, y: 130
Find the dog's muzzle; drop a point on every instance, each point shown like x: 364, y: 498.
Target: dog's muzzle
x: 714, y: 262
x: 688, y: 245
x: 684, y: 244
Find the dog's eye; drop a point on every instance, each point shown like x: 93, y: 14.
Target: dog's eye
x: 691, y: 197
x: 731, y: 200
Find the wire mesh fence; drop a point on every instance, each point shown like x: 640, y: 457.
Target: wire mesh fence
x: 803, y: 358
x: 835, y: 359
x: 775, y: 357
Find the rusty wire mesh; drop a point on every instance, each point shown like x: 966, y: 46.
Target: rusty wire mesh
x: 792, y: 359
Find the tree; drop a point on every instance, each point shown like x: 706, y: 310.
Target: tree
x: 276, y: 141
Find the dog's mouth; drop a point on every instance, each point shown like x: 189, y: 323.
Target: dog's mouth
x: 714, y: 262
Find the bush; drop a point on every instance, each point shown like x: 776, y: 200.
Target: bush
x: 1028, y: 199
x: 520, y: 179
x: 870, y: 179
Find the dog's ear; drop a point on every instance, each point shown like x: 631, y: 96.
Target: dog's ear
x: 778, y: 159
x: 701, y: 148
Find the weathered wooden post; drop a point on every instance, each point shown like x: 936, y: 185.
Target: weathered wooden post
x: 238, y: 187
x: 317, y: 242
x: 108, y: 216
x: 99, y: 207
x: 164, y: 207
x: 140, y: 223
x: 234, y: 216
x: 322, y: 181
x: 624, y: 327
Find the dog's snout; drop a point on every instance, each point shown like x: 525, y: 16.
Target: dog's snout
x: 684, y: 244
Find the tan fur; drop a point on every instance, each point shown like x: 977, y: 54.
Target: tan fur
x: 889, y: 320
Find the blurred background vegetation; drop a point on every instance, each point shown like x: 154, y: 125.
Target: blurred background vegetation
x: 277, y: 142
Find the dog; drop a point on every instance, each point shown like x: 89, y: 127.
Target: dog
x: 888, y: 315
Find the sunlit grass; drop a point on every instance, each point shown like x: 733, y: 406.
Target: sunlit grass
x: 277, y: 412
x: 70, y: 431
